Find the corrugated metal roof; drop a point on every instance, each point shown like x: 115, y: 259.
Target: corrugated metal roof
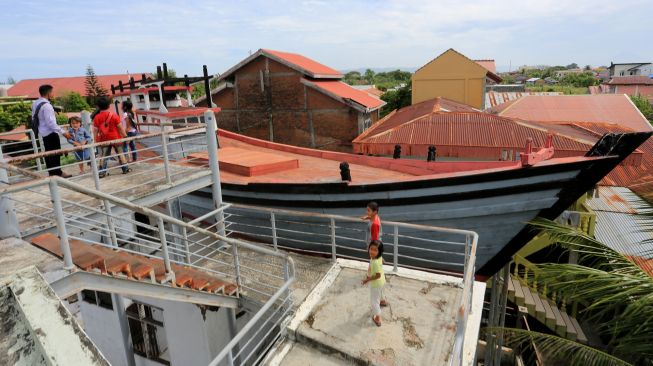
x: 312, y: 67
x: 469, y: 129
x: 611, y: 108
x: 631, y: 80
x: 345, y: 91
x: 494, y: 98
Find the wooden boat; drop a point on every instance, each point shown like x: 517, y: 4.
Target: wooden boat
x: 495, y: 199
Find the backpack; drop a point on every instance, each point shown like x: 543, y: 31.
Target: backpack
x: 34, y: 122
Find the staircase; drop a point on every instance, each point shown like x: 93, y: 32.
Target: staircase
x: 121, y: 264
x: 522, y: 290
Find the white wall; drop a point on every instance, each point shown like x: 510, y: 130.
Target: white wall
x: 103, y: 328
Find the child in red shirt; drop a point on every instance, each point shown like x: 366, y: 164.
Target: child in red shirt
x: 107, y: 127
x: 374, y: 226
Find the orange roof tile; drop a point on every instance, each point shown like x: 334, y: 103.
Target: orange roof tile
x: 339, y: 90
x: 609, y: 108
x: 30, y: 87
x: 488, y: 64
x: 89, y: 257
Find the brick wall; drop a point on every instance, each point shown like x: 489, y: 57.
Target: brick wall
x: 299, y: 115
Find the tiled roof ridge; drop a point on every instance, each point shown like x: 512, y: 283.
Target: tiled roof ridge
x: 80, y: 76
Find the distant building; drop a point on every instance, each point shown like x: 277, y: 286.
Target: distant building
x: 550, y: 81
x: 615, y: 109
x: 631, y: 69
x: 631, y: 85
x: 562, y: 73
x: 454, y: 76
x: 521, y: 79
x: 369, y: 89
x: 534, y: 81
x: 291, y: 99
x: 496, y: 98
x: 29, y: 88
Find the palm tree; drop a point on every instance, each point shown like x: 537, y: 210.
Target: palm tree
x: 615, y: 295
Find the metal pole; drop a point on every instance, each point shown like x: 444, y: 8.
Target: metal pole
x: 212, y: 147
x: 61, y: 226
x: 234, y: 252
x: 333, y: 239
x: 233, y: 331
x: 164, y: 245
x: 164, y: 152
x: 395, y: 249
x: 186, y: 248
x: 274, y: 230
x: 35, y: 148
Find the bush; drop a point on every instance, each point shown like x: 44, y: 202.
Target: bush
x: 14, y: 115
x: 396, y: 99
x: 62, y: 119
x: 643, y: 105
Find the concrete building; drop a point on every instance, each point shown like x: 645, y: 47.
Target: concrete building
x: 288, y: 98
x: 453, y: 76
x: 630, y: 69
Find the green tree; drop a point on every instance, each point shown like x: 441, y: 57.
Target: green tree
x: 369, y: 76
x: 572, y: 66
x: 198, y: 88
x: 584, y: 80
x: 614, y: 295
x: 11, y: 80
x: 352, y: 78
x: 396, y: 99
x: 587, y: 68
x: 14, y: 115
x: 643, y: 105
x: 72, y: 102
x: 94, y: 88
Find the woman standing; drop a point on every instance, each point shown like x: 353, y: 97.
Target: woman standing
x: 129, y: 122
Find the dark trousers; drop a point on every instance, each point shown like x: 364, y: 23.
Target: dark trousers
x: 53, y: 162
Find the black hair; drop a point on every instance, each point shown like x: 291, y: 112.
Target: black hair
x: 373, y: 206
x: 379, y: 245
x: 45, y: 89
x: 103, y: 103
x: 127, y: 105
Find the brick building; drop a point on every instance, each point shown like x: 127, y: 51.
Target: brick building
x: 291, y: 99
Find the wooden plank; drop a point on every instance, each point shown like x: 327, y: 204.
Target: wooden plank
x: 571, y: 331
x: 581, y: 337
x: 539, y: 307
x: 519, y: 293
x: 549, y: 317
x: 529, y: 302
x: 560, y: 326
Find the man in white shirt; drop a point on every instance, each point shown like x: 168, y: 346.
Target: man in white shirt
x: 49, y: 130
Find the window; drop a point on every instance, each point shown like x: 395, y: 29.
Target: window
x: 99, y: 298
x: 147, y: 333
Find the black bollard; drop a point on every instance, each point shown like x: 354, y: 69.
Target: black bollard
x: 345, y: 173
x: 397, y: 153
x: 431, y: 154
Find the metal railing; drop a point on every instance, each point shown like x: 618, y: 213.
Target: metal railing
x: 406, y: 245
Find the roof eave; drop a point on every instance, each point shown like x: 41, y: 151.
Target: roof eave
x: 357, y: 106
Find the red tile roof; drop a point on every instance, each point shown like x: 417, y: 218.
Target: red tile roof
x: 631, y: 80
x: 30, y: 87
x: 606, y: 108
x: 414, y: 111
x: 303, y: 64
x: 488, y: 64
x: 90, y: 257
x: 344, y: 92
x: 19, y: 135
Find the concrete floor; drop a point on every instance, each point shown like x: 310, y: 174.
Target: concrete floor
x: 418, y: 325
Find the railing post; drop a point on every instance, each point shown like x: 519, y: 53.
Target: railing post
x: 395, y: 249
x: 184, y: 233
x: 332, y: 224
x: 35, y: 148
x: 61, y: 225
x: 164, y: 152
x: 164, y: 246
x: 212, y: 148
x: 234, y: 252
x: 273, y: 224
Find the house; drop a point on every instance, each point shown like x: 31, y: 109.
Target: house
x: 630, y: 69
x: 550, y: 81
x: 534, y: 81
x: 562, y: 73
x: 615, y: 109
x: 369, y: 89
x: 453, y: 76
x: 495, y: 98
x: 631, y: 85
x: 521, y: 79
x: 29, y: 88
x: 292, y: 99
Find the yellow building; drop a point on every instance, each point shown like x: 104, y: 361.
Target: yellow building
x: 453, y: 76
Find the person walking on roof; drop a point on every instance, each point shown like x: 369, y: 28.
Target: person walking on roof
x: 44, y: 123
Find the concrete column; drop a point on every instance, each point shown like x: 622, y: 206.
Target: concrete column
x: 233, y: 330
x: 147, y: 101
x: 162, y: 107
x: 119, y: 308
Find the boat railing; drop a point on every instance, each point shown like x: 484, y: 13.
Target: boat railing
x: 406, y: 245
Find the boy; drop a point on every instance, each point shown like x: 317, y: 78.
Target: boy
x: 79, y: 137
x: 374, y: 227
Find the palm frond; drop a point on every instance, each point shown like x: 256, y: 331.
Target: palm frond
x: 557, y: 350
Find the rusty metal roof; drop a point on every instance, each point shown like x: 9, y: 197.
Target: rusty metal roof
x: 494, y: 98
x: 605, y: 108
x: 339, y: 90
x: 631, y: 80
